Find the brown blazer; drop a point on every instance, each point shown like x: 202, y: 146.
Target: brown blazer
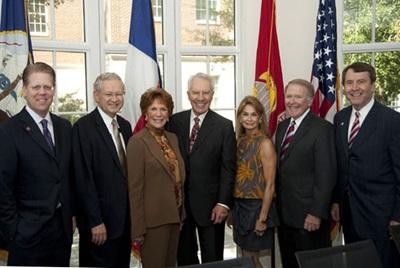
x: 151, y: 183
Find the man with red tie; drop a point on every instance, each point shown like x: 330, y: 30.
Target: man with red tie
x: 367, y: 195
x: 306, y: 174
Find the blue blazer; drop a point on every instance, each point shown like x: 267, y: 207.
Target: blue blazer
x: 33, y: 178
x: 370, y: 170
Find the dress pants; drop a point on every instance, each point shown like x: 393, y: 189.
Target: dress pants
x: 386, y: 248
x: 113, y: 253
x: 160, y: 246
x: 211, y: 240
x: 52, y: 248
x: 296, y: 239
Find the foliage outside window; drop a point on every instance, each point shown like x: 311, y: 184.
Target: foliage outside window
x: 371, y: 33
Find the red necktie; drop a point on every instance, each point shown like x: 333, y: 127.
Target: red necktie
x: 288, y: 139
x: 193, y: 134
x: 355, y: 128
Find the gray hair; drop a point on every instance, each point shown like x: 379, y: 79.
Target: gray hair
x: 201, y: 76
x: 306, y: 84
x: 107, y: 77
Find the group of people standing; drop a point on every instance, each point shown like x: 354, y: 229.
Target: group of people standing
x: 169, y: 189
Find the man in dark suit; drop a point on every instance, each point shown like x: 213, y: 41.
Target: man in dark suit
x: 99, y: 142
x: 367, y: 196
x: 3, y: 116
x: 306, y: 174
x: 35, y: 193
x: 208, y: 147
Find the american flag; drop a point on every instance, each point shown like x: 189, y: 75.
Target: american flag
x: 325, y: 77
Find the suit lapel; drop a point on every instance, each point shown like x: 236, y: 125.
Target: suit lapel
x: 126, y: 134
x: 33, y: 131
x: 105, y: 135
x: 57, y: 128
x: 368, y: 126
x: 207, y: 126
x: 280, y: 135
x: 300, y: 132
x: 155, y: 150
x: 185, y: 124
x: 343, y: 125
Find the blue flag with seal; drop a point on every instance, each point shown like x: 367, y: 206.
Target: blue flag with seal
x: 15, y: 54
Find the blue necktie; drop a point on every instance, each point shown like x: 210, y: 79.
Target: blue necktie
x: 47, y: 135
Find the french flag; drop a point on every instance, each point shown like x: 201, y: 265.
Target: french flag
x: 142, y: 71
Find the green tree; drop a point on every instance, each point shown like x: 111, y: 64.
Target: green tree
x: 358, y: 30
x: 69, y: 103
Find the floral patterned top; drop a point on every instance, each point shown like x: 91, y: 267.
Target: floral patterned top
x: 250, y: 182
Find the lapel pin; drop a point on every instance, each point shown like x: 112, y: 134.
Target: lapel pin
x: 342, y: 123
x: 28, y: 129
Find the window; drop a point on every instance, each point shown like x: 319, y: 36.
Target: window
x: 157, y: 10
x: 37, y: 14
x: 207, y: 10
x: 371, y: 33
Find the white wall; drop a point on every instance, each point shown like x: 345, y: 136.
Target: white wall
x: 296, y: 33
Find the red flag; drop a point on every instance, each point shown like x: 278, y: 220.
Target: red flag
x: 268, y: 85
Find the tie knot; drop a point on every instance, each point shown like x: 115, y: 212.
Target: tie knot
x: 357, y: 114
x: 292, y: 124
x: 196, y: 120
x: 114, y: 122
x: 44, y: 123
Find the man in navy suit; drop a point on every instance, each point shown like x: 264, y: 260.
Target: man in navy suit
x: 210, y: 161
x: 99, y: 142
x: 35, y: 193
x: 367, y: 134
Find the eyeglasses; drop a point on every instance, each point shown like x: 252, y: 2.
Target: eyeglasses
x: 110, y: 95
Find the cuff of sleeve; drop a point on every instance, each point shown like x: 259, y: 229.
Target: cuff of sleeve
x: 223, y: 205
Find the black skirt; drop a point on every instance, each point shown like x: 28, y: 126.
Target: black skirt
x: 245, y: 214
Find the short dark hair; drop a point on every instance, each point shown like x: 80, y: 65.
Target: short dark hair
x: 37, y: 67
x: 359, y: 67
x: 304, y: 83
x: 152, y: 94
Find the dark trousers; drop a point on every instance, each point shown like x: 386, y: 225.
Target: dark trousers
x: 386, y: 248
x: 211, y: 240
x: 296, y: 239
x: 113, y: 253
x: 52, y: 248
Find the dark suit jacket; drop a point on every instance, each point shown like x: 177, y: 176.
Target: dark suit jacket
x: 151, y: 183
x: 33, y: 179
x: 102, y: 188
x: 307, y: 175
x: 3, y: 116
x: 370, y: 170
x: 210, y: 167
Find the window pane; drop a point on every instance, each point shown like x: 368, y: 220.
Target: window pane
x: 69, y: 20
x: 388, y: 21
x: 118, y: 19
x: 221, y: 68
x: 117, y: 63
x: 357, y: 21
x: 71, y: 82
x: 208, y: 22
x: 39, y: 20
x: 43, y: 56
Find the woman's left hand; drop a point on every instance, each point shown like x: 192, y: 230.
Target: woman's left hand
x: 260, y: 228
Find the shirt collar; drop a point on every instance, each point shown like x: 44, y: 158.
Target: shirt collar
x: 106, y: 118
x: 300, y: 119
x: 201, y: 117
x: 364, y: 110
x: 36, y: 117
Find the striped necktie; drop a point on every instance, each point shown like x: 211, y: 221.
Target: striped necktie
x: 193, y: 134
x: 47, y: 134
x: 287, y: 140
x: 355, y: 128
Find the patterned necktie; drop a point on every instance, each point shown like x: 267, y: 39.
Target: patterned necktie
x: 288, y: 139
x: 120, y: 148
x: 193, y: 134
x: 355, y: 128
x: 47, y: 134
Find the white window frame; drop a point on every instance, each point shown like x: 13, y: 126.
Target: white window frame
x: 157, y: 10
x: 215, y: 21
x: 39, y: 23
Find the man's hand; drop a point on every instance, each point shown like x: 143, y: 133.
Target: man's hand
x: 99, y: 234
x: 218, y: 214
x: 312, y: 223
x: 335, y: 212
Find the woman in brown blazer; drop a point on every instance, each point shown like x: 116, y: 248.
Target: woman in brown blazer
x: 155, y: 175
